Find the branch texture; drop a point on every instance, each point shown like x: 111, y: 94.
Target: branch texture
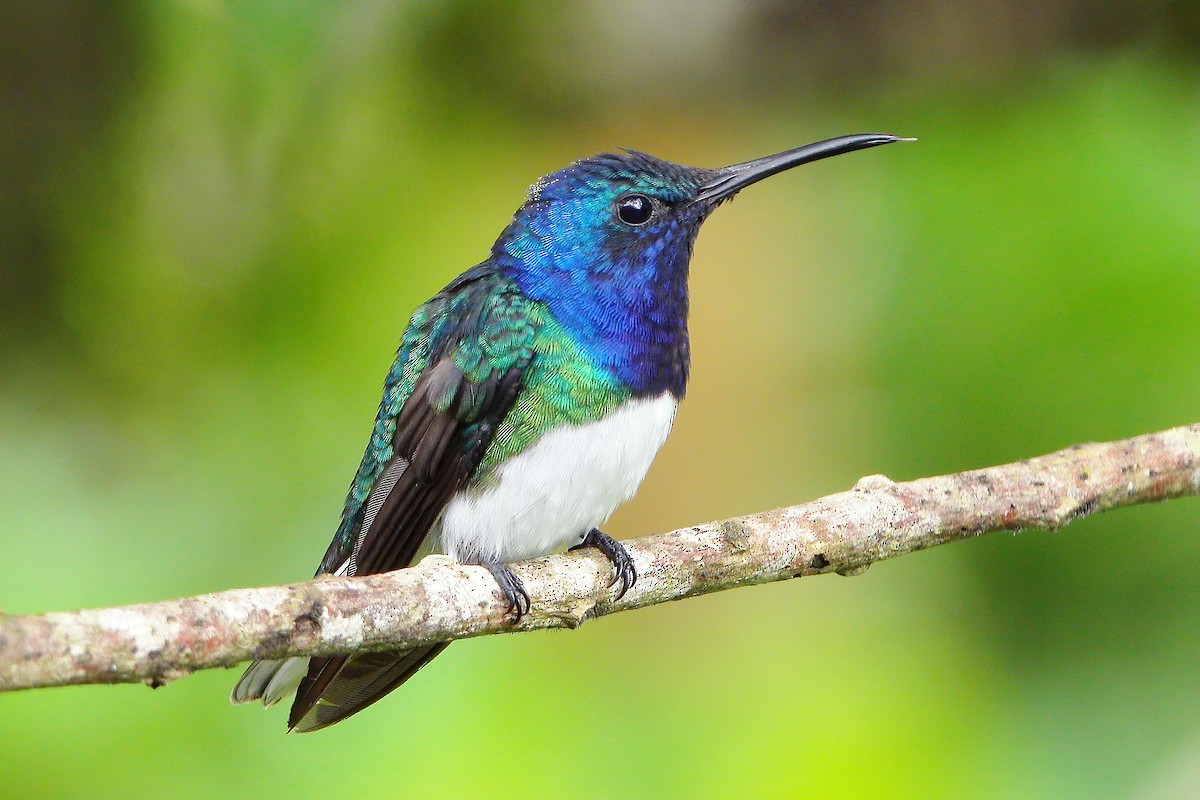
x: 440, y: 600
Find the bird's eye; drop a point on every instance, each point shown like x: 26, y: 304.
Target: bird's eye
x: 635, y: 209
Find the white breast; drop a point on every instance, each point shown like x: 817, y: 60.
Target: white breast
x: 566, y: 483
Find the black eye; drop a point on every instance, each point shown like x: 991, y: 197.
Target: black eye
x: 635, y: 209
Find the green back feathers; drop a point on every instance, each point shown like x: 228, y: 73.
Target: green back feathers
x: 485, y: 325
x: 560, y: 387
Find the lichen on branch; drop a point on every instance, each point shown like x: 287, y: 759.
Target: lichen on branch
x: 440, y: 600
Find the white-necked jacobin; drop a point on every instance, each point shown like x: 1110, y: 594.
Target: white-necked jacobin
x: 527, y: 398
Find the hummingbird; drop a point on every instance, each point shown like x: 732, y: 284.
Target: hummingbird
x: 527, y: 399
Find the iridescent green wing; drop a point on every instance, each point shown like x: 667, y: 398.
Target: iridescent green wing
x: 455, y: 378
x: 458, y: 370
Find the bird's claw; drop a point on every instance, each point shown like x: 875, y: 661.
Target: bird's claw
x: 517, y: 603
x: 624, y: 570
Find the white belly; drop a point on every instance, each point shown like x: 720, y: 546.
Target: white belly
x: 563, y: 485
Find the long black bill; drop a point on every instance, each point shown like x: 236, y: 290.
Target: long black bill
x: 739, y: 176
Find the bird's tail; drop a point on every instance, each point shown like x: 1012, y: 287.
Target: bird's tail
x: 330, y: 689
x: 338, y: 687
x: 269, y: 681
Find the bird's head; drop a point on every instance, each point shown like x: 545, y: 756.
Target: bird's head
x: 614, y: 214
x: 606, y: 243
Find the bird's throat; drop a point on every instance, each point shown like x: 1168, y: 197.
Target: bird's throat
x: 636, y: 332
x: 628, y: 317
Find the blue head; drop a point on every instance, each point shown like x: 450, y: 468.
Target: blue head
x: 606, y: 242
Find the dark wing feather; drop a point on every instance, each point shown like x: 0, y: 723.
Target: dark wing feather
x: 355, y: 683
x: 368, y: 676
x: 439, y: 433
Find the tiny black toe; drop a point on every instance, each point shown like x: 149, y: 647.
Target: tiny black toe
x: 512, y: 589
x: 624, y: 570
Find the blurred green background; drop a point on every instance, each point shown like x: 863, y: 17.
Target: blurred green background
x: 215, y: 218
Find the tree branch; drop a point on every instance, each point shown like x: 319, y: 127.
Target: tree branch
x: 440, y: 600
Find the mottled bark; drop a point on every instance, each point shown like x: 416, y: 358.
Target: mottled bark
x: 439, y: 600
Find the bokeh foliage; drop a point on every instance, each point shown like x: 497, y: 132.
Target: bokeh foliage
x: 217, y: 216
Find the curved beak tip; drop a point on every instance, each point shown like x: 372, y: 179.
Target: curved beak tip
x: 733, y: 179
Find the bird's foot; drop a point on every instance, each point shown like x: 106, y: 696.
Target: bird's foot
x: 511, y: 588
x: 624, y: 569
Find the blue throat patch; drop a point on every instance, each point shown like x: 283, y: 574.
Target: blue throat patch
x: 620, y: 291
